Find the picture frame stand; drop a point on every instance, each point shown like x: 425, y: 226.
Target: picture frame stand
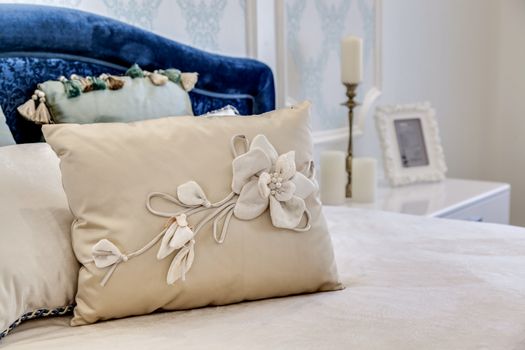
x: 411, y: 144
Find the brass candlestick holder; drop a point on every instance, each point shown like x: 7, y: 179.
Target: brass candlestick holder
x: 351, y: 104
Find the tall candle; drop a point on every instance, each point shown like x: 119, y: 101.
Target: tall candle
x: 351, y: 60
x: 364, y: 180
x: 333, y: 177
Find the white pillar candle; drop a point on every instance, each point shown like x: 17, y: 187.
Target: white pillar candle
x: 351, y: 60
x: 364, y: 180
x: 333, y: 177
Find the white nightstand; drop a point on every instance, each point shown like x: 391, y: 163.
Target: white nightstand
x: 451, y: 198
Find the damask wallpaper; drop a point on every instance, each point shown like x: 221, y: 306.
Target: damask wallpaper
x: 314, y: 32
x: 213, y: 25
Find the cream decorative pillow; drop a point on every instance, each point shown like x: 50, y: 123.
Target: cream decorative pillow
x: 38, y: 270
x: 177, y: 213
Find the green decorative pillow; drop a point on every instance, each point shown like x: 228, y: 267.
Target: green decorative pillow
x: 139, y: 95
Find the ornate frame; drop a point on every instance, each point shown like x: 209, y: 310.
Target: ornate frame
x: 395, y: 172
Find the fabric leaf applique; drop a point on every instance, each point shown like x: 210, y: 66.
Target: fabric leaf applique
x: 263, y: 181
x: 191, y: 193
x: 181, y: 263
x: 106, y: 254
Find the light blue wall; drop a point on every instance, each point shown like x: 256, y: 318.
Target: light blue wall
x: 314, y: 32
x: 215, y: 25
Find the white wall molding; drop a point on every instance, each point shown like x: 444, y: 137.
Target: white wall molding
x: 280, y: 53
x: 251, y: 28
x: 333, y: 135
x: 378, y: 45
x: 260, y: 33
x: 329, y: 136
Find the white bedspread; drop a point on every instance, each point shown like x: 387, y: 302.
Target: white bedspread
x: 412, y: 283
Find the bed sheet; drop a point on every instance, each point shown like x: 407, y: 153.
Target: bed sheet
x: 411, y: 283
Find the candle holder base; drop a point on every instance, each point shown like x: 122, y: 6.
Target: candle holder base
x: 351, y: 91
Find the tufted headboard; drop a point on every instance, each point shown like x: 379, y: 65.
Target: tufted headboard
x: 39, y: 43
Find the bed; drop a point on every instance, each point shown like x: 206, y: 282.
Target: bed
x: 411, y: 282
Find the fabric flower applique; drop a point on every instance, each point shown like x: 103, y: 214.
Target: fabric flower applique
x: 262, y: 179
x: 178, y: 236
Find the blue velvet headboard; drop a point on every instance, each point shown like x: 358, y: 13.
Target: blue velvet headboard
x: 38, y: 43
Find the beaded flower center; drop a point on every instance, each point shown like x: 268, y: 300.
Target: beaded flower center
x: 276, y: 182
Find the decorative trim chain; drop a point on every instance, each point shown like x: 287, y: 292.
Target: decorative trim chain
x: 38, y: 313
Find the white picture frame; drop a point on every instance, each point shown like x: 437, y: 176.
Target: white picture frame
x: 412, y: 150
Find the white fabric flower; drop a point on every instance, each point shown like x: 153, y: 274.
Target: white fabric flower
x: 262, y: 178
x: 178, y: 236
x: 175, y: 237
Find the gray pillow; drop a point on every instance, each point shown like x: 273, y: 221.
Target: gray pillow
x: 6, y: 138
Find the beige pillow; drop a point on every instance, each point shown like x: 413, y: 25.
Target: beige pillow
x: 123, y: 183
x: 38, y: 270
